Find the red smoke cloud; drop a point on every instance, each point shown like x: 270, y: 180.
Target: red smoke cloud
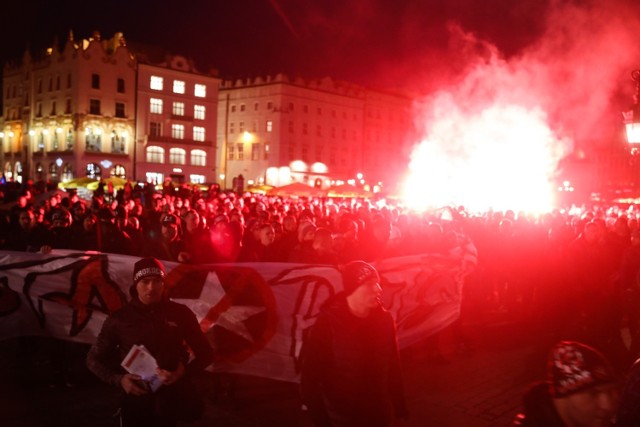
x: 494, y: 136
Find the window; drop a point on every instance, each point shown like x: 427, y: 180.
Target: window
x: 118, y: 142
x: 269, y: 126
x: 269, y: 105
x: 255, y: 151
x: 196, y: 179
x: 178, y: 86
x: 240, y: 127
x: 200, y: 91
x: 305, y: 153
x: 233, y: 108
x: 177, y: 131
x: 266, y: 151
x: 93, y: 171
x: 39, y: 109
x: 305, y: 129
x: 50, y: 84
x: 178, y: 109
x: 198, y: 158
x: 94, y: 106
x: 156, y: 83
x: 155, y: 129
x: 95, y: 81
x: 255, y: 126
x: 57, y: 82
x: 120, y: 110
x: 292, y: 151
x: 69, y: 81
x: 255, y: 106
x: 55, y: 144
x: 53, y: 170
x: 198, y: 133
x: 199, y: 112
x: 155, y: 177
x: 41, y: 141
x: 119, y: 171
x: 240, y: 151
x: 231, y: 152
x: 93, y: 139
x: 69, y: 139
x: 155, y: 154
x: 53, y: 108
x: 39, y: 85
x: 241, y: 108
x: 120, y: 85
x: 67, y: 106
x: 177, y: 156
x: 156, y: 106
x: 232, y: 127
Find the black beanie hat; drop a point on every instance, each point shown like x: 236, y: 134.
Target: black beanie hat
x: 147, y: 267
x: 356, y: 273
x: 574, y: 367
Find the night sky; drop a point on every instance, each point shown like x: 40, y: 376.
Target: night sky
x: 373, y: 42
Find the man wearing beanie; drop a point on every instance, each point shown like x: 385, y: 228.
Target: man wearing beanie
x: 350, y: 364
x: 581, y: 390
x: 165, y: 328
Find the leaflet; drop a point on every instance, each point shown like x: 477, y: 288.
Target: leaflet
x: 140, y: 362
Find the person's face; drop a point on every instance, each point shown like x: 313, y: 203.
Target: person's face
x: 191, y: 221
x: 594, y: 407
x: 367, y: 295
x: 150, y: 289
x: 26, y: 220
x: 169, y: 231
x: 89, y: 223
x: 266, y: 236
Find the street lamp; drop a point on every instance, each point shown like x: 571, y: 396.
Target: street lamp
x: 632, y: 117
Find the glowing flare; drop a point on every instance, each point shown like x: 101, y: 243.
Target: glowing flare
x: 502, y: 157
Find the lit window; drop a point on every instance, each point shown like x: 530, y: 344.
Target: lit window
x: 156, y: 83
x: 198, y: 133
x: 199, y: 112
x: 177, y: 156
x: 200, y: 91
x: 240, y: 151
x: 198, y: 158
x: 156, y: 106
x: 155, y: 177
x: 196, y: 179
x: 178, y: 108
x: 269, y: 126
x: 177, y: 131
x: 231, y: 152
x: 155, y: 154
x: 178, y: 86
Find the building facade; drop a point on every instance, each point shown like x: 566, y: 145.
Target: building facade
x: 275, y: 130
x: 176, y: 122
x: 70, y: 113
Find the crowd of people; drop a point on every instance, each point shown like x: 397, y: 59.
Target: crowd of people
x: 574, y: 271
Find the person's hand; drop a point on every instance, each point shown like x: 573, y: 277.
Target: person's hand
x: 170, y: 377
x: 133, y: 384
x: 184, y: 257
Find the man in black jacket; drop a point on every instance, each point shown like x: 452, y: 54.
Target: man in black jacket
x: 351, y: 372
x: 163, y: 327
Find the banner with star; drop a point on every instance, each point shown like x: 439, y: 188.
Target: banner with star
x: 255, y: 315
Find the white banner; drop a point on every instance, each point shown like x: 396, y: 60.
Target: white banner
x: 255, y: 314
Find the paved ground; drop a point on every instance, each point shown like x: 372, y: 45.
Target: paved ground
x: 477, y: 386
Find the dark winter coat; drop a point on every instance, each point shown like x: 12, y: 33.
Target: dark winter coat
x: 351, y: 370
